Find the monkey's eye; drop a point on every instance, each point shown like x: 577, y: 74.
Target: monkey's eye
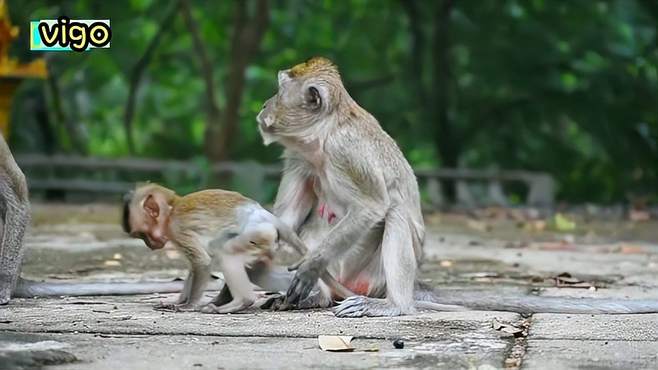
x: 313, y: 98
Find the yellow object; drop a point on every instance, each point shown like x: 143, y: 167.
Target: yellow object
x: 562, y: 223
x: 11, y: 71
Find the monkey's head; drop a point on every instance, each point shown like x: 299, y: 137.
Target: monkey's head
x: 146, y: 214
x: 309, y: 94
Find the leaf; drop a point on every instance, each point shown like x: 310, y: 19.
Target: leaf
x: 536, y: 225
x: 508, y: 328
x: 567, y: 278
x: 562, y: 223
x: 639, y: 215
x: 478, y: 225
x: 631, y: 249
x: 335, y: 343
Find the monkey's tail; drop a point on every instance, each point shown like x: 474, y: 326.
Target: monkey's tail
x: 29, y: 289
x: 537, y: 304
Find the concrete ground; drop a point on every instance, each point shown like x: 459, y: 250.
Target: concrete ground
x: 497, y: 251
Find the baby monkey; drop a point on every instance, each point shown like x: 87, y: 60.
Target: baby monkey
x: 239, y: 229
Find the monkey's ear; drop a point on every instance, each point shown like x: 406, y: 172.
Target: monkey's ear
x: 151, y: 206
x: 283, y: 76
x: 125, y: 219
x: 313, y: 98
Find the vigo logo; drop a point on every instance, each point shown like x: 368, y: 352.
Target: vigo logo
x: 64, y: 34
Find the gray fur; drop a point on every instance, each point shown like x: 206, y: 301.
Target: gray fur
x: 337, y: 154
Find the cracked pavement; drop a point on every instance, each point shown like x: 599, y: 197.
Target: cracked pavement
x: 610, y: 259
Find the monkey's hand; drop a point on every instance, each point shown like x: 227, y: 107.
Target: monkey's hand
x: 308, y: 272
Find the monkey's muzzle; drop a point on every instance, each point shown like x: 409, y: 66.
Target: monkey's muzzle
x: 265, y: 119
x: 152, y: 244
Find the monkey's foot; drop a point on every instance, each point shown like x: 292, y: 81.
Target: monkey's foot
x: 231, y: 307
x: 276, y: 302
x: 359, y: 306
x: 279, y: 303
x: 209, y: 308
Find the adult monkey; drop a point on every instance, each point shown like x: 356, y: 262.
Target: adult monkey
x: 14, y: 219
x: 353, y: 197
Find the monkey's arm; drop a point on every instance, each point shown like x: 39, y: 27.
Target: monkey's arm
x: 295, y: 197
x: 368, y: 202
x: 289, y: 236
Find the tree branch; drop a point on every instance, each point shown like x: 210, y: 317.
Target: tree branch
x: 76, y: 142
x: 247, y: 36
x: 417, y: 48
x: 138, y: 71
x: 213, y: 111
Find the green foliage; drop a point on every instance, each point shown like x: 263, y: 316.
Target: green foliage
x: 567, y: 87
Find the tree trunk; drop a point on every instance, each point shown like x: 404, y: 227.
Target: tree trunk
x: 76, y: 142
x: 247, y: 36
x: 222, y: 127
x: 138, y: 71
x: 447, y: 144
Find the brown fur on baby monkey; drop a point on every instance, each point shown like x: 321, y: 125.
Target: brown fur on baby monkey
x: 237, y: 228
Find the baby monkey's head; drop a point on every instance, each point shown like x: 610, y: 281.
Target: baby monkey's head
x: 146, y: 212
x: 309, y: 93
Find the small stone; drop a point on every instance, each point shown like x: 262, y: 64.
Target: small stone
x: 398, y: 343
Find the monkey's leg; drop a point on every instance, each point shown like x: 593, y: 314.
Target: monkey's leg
x: 196, y: 281
x: 16, y: 217
x: 255, y: 241
x: 223, y: 297
x: 399, y: 265
x: 238, y: 282
x: 262, y: 275
x: 183, y: 298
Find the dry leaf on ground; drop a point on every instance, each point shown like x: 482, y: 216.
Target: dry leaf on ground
x: 639, y: 215
x: 478, y: 225
x: 566, y: 280
x: 556, y: 246
x: 509, y: 329
x: 631, y: 249
x: 335, y: 343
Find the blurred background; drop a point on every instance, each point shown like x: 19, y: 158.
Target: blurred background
x: 501, y: 100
